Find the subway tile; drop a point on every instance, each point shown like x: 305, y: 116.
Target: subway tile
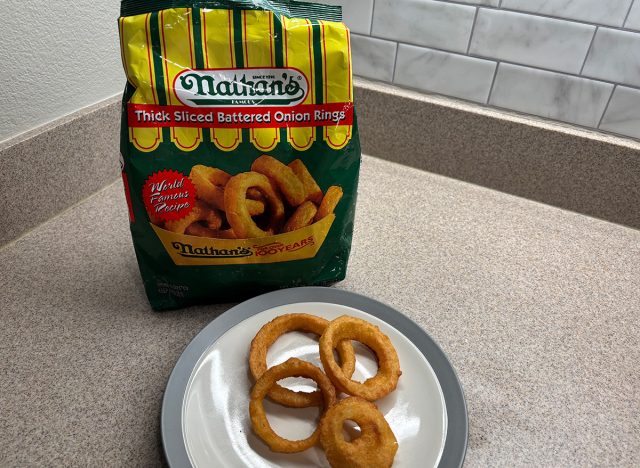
x: 444, y: 73
x: 552, y: 95
x: 615, y: 56
x: 428, y: 23
x: 373, y: 58
x: 355, y: 13
x: 623, y: 113
x: 609, y: 12
x: 531, y: 40
x: 633, y: 21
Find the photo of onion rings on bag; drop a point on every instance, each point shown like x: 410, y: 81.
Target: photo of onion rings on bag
x: 272, y: 198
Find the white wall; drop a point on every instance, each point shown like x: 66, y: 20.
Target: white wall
x: 55, y: 58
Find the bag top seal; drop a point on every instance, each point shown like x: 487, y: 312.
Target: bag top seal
x: 288, y: 8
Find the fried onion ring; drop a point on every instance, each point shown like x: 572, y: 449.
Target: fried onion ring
x: 270, y: 332
x: 283, y: 177
x: 302, y: 217
x: 209, y: 183
x: 376, y: 446
x: 200, y: 212
x: 290, y: 368
x: 312, y: 190
x: 235, y: 204
x: 329, y: 202
x: 351, y: 328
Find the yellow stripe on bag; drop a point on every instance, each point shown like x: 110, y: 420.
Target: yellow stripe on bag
x: 177, y: 51
x: 135, y: 46
x: 298, y: 47
x: 218, y: 36
x: 259, y: 51
x: 337, y: 77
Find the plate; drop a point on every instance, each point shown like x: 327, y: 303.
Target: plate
x: 205, y: 415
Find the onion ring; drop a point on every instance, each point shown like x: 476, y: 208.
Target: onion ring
x: 283, y: 177
x: 312, y: 191
x: 351, y: 328
x: 290, y: 368
x: 198, y: 230
x: 209, y: 183
x: 329, y: 202
x: 302, y: 217
x: 376, y: 447
x: 199, y: 212
x: 270, y: 332
x: 235, y: 204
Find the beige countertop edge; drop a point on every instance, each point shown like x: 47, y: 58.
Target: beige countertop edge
x: 536, y: 307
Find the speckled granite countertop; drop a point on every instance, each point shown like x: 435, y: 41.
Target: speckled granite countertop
x: 536, y: 307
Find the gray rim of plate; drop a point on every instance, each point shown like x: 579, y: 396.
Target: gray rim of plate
x: 455, y: 446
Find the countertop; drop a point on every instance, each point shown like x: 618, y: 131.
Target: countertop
x: 536, y: 307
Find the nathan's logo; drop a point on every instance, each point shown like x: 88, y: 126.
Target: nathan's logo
x: 188, y: 250
x: 241, y: 87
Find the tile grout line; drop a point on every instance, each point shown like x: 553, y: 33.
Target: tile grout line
x: 395, y: 63
x: 626, y: 18
x: 606, y: 108
x: 373, y: 15
x: 584, y: 62
x: 473, y: 28
x: 509, y: 62
x: 493, y: 83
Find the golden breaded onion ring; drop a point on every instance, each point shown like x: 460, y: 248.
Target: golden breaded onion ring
x: 376, y: 446
x: 235, y: 204
x: 283, y: 177
x: 329, y: 202
x: 209, y: 183
x: 351, y: 328
x: 270, y: 332
x: 290, y: 368
x: 312, y: 191
x: 302, y: 217
x: 200, y: 212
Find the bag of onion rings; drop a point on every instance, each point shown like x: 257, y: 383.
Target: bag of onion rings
x: 239, y: 142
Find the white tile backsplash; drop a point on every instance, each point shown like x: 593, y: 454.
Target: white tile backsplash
x: 422, y: 22
x: 552, y: 95
x: 633, y: 21
x: 608, y: 12
x: 531, y: 40
x: 355, y: 13
x: 444, y: 73
x: 373, y: 58
x: 615, y: 56
x: 623, y: 114
x: 558, y: 59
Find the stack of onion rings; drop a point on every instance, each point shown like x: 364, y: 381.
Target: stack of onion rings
x: 377, y: 445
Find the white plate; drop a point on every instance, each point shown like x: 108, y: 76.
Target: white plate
x: 205, y: 419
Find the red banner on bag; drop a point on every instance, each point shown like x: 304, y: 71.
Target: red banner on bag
x: 306, y: 115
